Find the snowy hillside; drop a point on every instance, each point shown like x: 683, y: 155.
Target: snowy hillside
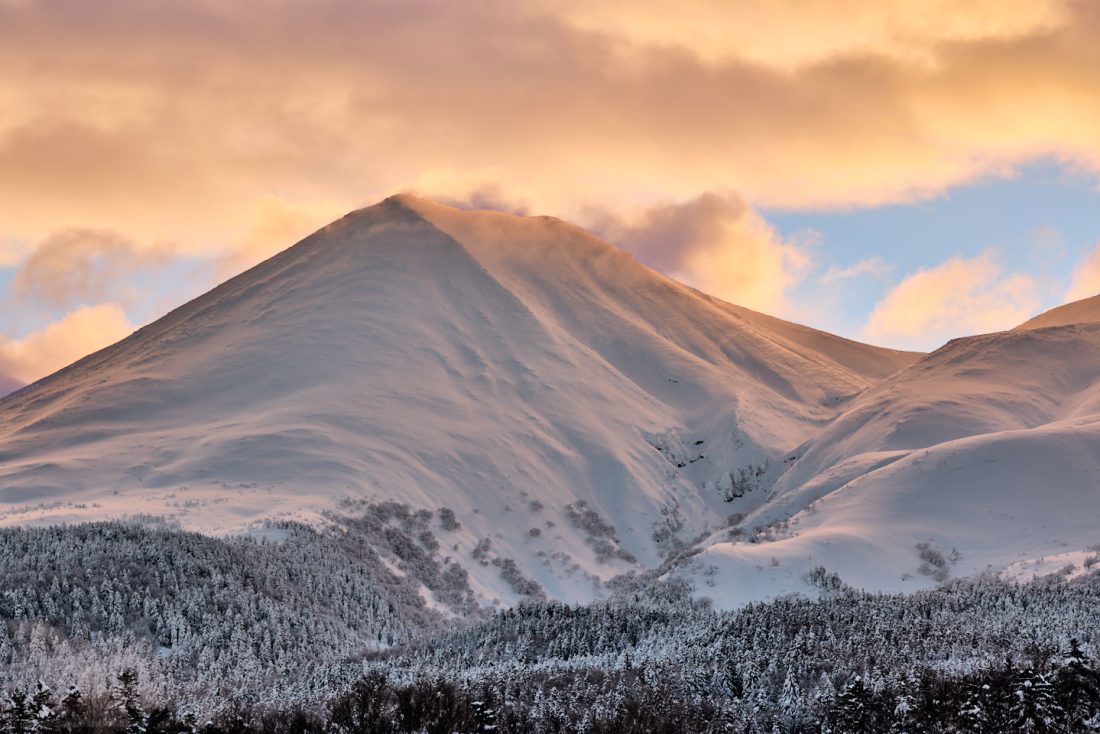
x: 581, y: 414
x: 984, y: 455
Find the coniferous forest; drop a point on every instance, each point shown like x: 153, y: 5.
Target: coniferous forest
x: 125, y: 627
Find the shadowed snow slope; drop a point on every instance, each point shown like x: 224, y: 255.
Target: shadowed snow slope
x: 507, y: 368
x: 982, y: 455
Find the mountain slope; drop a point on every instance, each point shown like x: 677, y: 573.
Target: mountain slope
x: 575, y: 409
x: 982, y: 455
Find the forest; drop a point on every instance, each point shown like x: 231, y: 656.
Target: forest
x: 137, y: 628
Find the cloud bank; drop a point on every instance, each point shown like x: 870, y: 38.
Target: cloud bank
x: 147, y: 113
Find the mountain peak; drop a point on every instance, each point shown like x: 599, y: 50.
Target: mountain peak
x: 399, y: 207
x: 410, y: 200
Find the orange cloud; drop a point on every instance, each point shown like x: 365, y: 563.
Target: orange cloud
x: 958, y: 297
x: 716, y: 244
x: 78, y: 334
x: 138, y: 116
x: 802, y: 32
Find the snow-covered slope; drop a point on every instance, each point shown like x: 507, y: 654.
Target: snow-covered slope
x: 571, y: 406
x: 984, y: 455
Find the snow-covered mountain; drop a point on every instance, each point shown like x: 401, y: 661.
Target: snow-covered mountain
x: 984, y: 455
x: 580, y: 414
x: 575, y: 409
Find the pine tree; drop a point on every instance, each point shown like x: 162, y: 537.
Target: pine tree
x: 71, y: 709
x: 126, y: 701
x: 854, y: 712
x: 904, y: 718
x: 1077, y: 685
x: 18, y: 715
x: 42, y: 706
x: 485, y: 716
x: 1035, y: 709
x: 791, y: 697
x: 975, y: 716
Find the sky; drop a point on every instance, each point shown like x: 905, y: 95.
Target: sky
x: 896, y: 171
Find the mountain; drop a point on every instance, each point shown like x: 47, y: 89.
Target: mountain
x: 557, y: 414
x: 984, y: 455
x: 580, y: 414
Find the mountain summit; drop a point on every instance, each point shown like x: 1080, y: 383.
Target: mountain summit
x: 558, y: 396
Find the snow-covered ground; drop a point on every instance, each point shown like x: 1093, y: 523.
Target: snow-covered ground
x: 985, y: 454
x: 581, y: 412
